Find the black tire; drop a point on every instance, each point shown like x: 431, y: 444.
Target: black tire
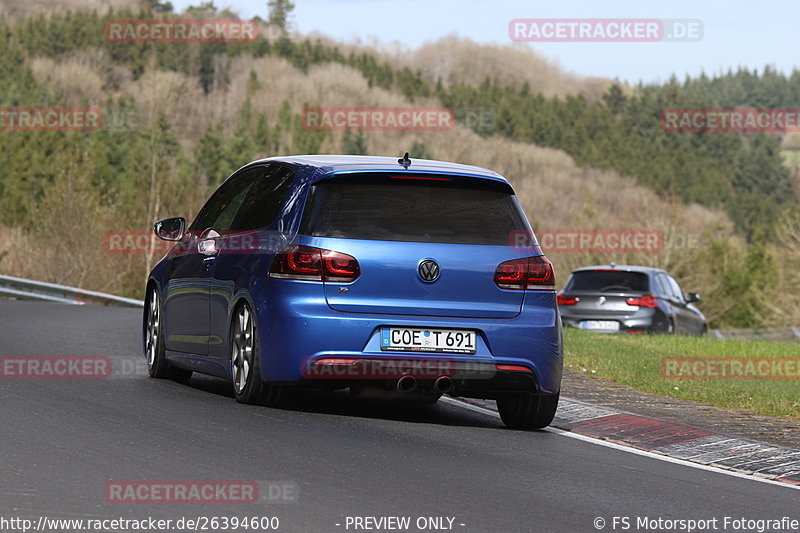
x: 248, y: 387
x: 663, y: 326
x: 157, y: 364
x: 528, y: 411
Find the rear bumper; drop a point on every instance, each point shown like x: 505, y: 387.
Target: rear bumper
x: 643, y: 321
x: 477, y: 380
x: 298, y: 329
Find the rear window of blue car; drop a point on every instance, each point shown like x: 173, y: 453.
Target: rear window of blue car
x: 607, y: 281
x: 427, y: 209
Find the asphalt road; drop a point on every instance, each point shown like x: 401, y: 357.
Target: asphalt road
x: 62, y: 440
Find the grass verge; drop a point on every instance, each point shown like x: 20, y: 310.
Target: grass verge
x: 636, y: 361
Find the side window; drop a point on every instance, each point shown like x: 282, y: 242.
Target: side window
x: 264, y: 199
x: 662, y: 286
x: 676, y: 289
x: 221, y: 208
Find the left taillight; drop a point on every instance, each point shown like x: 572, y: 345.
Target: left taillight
x: 308, y: 263
x: 531, y: 273
x: 567, y: 300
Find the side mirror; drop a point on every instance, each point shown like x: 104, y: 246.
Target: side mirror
x: 170, y: 229
x: 692, y: 297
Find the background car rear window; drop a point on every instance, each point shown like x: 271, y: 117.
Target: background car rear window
x: 608, y: 281
x: 416, y: 211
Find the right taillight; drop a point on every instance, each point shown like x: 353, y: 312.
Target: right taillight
x: 314, y: 264
x: 648, y: 300
x: 567, y: 300
x: 531, y: 273
x: 339, y: 267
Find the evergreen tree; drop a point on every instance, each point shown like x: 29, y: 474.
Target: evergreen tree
x: 419, y: 151
x: 279, y: 11
x: 354, y: 143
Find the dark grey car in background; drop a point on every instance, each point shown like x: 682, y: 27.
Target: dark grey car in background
x: 629, y: 299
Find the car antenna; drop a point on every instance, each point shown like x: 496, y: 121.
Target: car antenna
x: 405, y: 161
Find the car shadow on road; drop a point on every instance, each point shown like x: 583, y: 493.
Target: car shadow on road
x: 341, y: 403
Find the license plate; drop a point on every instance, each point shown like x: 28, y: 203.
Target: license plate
x: 428, y: 340
x: 601, y: 325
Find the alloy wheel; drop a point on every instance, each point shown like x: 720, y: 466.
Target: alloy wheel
x: 153, y: 329
x: 242, y: 349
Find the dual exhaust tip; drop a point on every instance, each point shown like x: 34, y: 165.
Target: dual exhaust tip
x: 442, y: 384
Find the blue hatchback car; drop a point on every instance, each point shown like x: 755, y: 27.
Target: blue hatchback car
x: 367, y: 273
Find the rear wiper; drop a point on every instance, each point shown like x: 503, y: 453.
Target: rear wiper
x: 615, y: 287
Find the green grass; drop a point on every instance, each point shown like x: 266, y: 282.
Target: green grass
x: 635, y: 360
x: 790, y: 155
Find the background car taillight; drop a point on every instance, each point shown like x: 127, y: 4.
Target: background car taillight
x: 531, y: 273
x: 567, y: 300
x: 314, y: 264
x: 648, y: 300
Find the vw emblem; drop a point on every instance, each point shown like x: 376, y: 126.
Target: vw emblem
x: 428, y: 270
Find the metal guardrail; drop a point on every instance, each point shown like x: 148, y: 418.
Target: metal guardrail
x: 26, y: 289
x: 790, y: 334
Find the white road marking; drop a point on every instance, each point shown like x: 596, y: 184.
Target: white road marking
x: 645, y: 453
